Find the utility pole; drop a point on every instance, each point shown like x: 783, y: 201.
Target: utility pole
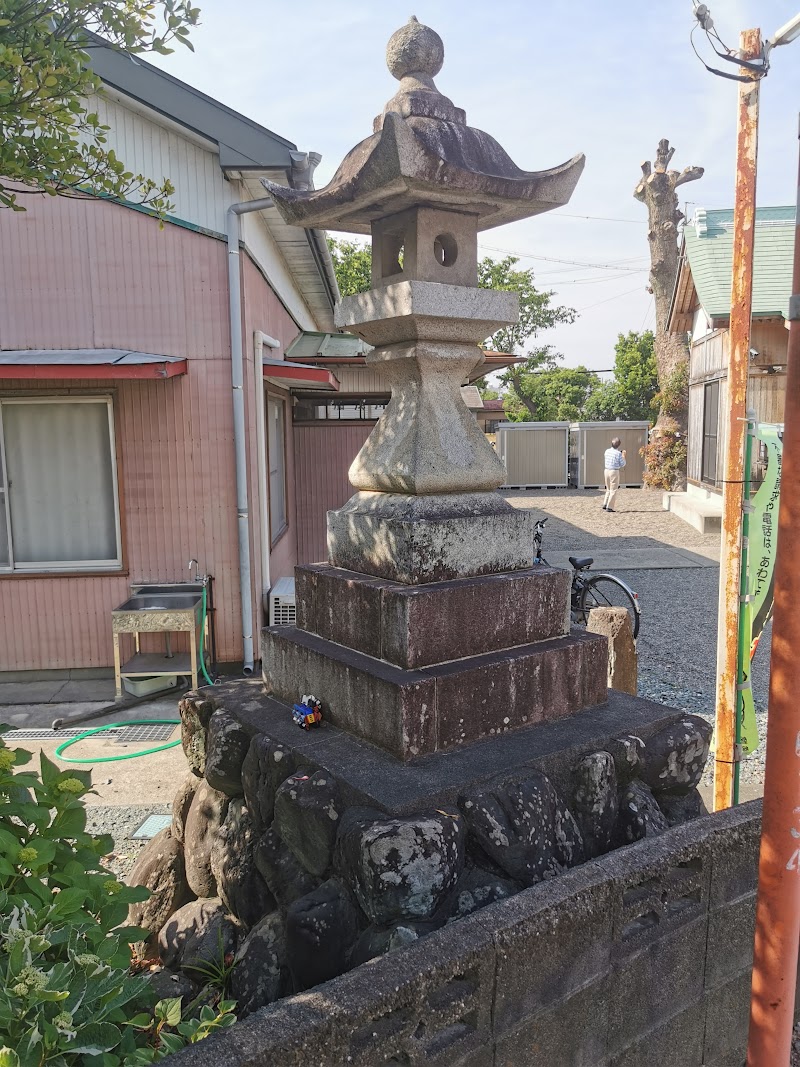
x: 778, y: 906
x: 744, y: 219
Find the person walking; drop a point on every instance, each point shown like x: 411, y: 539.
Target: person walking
x: 614, y: 462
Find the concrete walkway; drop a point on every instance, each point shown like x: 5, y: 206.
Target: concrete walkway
x: 639, y: 535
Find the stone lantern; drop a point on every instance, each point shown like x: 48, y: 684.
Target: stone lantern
x: 426, y: 524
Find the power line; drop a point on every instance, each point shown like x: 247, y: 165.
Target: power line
x: 570, y: 262
x: 599, y: 218
x: 617, y: 297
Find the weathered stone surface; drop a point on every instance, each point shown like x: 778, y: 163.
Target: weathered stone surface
x: 167, y: 984
x: 478, y: 887
x: 378, y: 940
x: 680, y: 809
x: 321, y: 930
x: 227, y: 744
x: 615, y: 624
x: 417, y: 626
x: 675, y: 758
x: 198, y: 932
x: 442, y: 449
x: 525, y: 828
x: 307, y: 813
x: 400, y: 868
x: 195, y: 715
x: 595, y: 801
x: 285, y: 876
x: 639, y: 815
x: 266, y: 765
x: 206, y: 814
x: 161, y: 869
x: 260, y: 975
x: 427, y: 710
x: 628, y: 754
x: 416, y: 540
x: 239, y: 884
x: 181, y: 804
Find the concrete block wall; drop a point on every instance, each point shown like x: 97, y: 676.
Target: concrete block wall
x: 639, y: 958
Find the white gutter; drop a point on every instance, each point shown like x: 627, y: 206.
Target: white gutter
x: 239, y: 431
x: 260, y: 340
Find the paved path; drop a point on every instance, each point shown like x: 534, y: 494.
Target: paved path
x: 639, y: 535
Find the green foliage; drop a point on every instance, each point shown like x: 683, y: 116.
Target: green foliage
x: 50, y: 142
x: 630, y: 395
x: 665, y: 459
x: 556, y: 395
x: 536, y: 312
x: 67, y: 994
x: 352, y: 264
x: 673, y: 399
x: 218, y: 970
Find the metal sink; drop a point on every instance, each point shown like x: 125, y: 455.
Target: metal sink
x: 176, y: 587
x: 161, y: 602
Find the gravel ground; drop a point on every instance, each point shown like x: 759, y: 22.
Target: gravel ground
x: 121, y: 822
x: 678, y: 635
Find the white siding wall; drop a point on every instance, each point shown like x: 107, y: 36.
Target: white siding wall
x: 202, y: 195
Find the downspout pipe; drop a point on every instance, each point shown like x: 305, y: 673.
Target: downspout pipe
x: 262, y: 341
x: 233, y: 227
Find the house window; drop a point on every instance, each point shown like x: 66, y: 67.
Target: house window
x: 276, y: 454
x: 710, y: 431
x: 59, y: 508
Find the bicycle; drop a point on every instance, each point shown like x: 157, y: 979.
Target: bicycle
x: 594, y: 590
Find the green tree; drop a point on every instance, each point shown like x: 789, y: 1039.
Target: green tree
x: 559, y: 394
x: 50, y: 140
x: 536, y: 313
x: 352, y: 264
x: 631, y: 394
x: 636, y: 374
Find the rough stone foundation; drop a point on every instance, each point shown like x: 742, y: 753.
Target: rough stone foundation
x: 304, y: 855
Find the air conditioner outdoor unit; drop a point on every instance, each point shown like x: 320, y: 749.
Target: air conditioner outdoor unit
x: 282, y: 607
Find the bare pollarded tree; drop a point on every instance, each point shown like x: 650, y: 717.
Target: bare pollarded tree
x: 656, y: 190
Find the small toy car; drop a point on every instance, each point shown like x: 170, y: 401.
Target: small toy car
x: 308, y: 713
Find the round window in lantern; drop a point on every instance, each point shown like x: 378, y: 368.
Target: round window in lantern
x: 445, y: 249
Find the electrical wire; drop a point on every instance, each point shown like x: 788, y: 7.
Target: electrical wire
x: 617, y: 297
x: 571, y: 262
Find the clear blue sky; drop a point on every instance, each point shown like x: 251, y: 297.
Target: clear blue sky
x: 547, y: 80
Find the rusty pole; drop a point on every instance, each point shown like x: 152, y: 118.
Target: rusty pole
x: 778, y: 906
x: 736, y: 427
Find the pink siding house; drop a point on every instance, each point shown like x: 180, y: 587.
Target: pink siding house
x: 117, y: 366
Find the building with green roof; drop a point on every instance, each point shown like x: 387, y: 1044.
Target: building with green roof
x: 701, y: 306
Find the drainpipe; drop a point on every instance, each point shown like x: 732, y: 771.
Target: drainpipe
x: 237, y: 387
x: 262, y: 339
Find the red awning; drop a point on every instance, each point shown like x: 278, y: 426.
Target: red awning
x: 299, y: 376
x: 64, y: 363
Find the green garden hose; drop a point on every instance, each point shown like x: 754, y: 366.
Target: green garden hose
x: 203, y: 634
x: 115, y: 726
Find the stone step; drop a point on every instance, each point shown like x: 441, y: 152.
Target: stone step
x: 412, y: 713
x: 418, y: 626
x: 704, y: 514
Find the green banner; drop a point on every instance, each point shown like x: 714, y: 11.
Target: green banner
x: 762, y: 546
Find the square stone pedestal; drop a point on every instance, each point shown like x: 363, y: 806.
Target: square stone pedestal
x: 426, y: 669
x: 420, y: 539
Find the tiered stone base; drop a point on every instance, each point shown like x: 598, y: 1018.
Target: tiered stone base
x: 426, y: 669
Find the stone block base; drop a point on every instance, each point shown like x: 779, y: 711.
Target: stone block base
x: 420, y: 539
x: 412, y: 713
x: 416, y: 626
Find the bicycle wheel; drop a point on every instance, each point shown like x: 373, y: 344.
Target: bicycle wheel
x: 605, y: 591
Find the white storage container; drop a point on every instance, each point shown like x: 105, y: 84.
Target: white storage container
x: 535, y: 454
x: 588, y: 442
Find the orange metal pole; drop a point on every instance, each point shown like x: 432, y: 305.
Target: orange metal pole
x: 736, y: 408
x: 778, y: 907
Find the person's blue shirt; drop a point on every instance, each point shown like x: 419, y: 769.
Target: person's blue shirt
x: 614, y: 459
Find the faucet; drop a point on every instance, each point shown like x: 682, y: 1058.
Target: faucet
x: 196, y: 575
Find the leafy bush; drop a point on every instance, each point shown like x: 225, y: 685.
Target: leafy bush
x: 67, y: 994
x: 665, y: 459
